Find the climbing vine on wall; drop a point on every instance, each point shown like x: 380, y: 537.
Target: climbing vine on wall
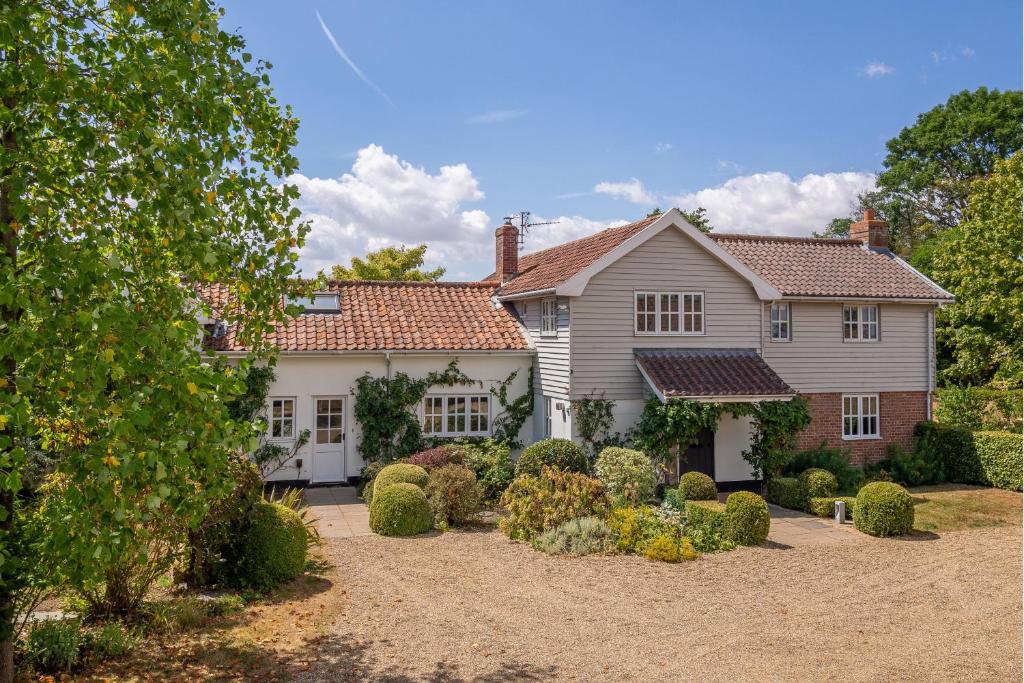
x: 594, y: 420
x: 514, y: 413
x: 385, y: 409
x: 663, y: 426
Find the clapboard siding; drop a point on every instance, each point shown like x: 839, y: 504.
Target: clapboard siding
x: 603, y: 335
x: 552, y: 364
x: 818, y: 360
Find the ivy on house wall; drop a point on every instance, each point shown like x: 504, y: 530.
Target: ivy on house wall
x: 663, y: 426
x: 594, y: 420
x: 390, y: 427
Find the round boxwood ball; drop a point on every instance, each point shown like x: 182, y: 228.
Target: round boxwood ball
x: 400, y: 510
x: 884, y: 509
x: 818, y: 483
x: 561, y: 454
x: 697, y: 486
x: 273, y: 548
x: 746, y: 518
x: 400, y: 473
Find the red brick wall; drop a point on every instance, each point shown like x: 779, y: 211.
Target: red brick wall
x: 898, y: 411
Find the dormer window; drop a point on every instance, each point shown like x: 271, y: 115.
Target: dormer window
x: 321, y: 302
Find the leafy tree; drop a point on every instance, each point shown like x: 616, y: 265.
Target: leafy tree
x: 390, y: 263
x: 140, y: 151
x: 980, y: 262
x: 930, y: 165
x: 836, y: 228
x: 698, y: 218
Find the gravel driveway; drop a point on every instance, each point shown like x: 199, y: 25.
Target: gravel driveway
x: 474, y: 606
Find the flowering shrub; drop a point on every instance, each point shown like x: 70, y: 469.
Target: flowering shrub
x: 439, y: 456
x: 668, y: 548
x: 628, y: 475
x: 538, y: 503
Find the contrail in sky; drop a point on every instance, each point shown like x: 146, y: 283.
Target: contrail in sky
x: 341, y: 53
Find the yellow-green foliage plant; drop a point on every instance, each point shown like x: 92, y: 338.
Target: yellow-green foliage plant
x: 538, y: 503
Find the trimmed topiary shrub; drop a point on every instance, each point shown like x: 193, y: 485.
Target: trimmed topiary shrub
x: 697, y: 486
x: 999, y: 454
x: 558, y: 453
x: 400, y: 509
x: 628, y: 475
x: 439, y: 456
x: 400, y: 473
x: 786, y: 492
x: 884, y: 509
x: 826, y: 507
x: 817, y: 483
x: 746, y: 518
x: 274, y: 547
x: 582, y: 536
x: 453, y: 494
x: 536, y: 504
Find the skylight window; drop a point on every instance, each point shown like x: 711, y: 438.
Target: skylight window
x: 325, y: 302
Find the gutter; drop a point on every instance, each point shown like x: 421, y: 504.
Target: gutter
x: 869, y: 299
x: 387, y: 353
x: 550, y: 291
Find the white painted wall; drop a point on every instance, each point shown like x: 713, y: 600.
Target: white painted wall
x: 304, y: 377
x: 731, y: 439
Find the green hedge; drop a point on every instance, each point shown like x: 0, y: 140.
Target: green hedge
x: 274, y: 547
x: 400, y: 510
x: 963, y: 457
x: 786, y: 492
x: 980, y: 408
x: 884, y: 509
x: 826, y: 507
x: 746, y: 518
x: 561, y: 454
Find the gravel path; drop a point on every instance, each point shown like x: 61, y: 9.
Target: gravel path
x: 474, y: 606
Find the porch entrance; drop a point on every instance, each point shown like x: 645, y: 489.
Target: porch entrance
x: 699, y: 457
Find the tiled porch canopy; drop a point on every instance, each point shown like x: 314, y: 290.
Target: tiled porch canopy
x: 721, y: 375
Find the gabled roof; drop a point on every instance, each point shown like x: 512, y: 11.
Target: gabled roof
x: 394, y: 316
x: 803, y: 266
x: 776, y: 266
x: 720, y: 374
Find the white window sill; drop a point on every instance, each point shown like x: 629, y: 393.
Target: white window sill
x: 669, y: 334
x: 781, y: 341
x: 860, y: 341
x: 876, y: 437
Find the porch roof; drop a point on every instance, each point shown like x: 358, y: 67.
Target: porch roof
x: 727, y: 375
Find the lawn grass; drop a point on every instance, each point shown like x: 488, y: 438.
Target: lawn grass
x: 955, y: 507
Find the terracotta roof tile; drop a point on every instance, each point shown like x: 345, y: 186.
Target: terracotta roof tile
x: 377, y: 316
x: 799, y: 266
x: 796, y: 266
x: 677, y: 373
x: 551, y: 267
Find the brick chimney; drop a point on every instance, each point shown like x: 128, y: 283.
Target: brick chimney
x: 872, y: 231
x: 506, y: 252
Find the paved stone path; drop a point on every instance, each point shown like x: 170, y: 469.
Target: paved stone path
x: 339, y: 511
x: 793, y: 528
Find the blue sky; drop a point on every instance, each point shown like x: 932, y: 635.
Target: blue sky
x: 773, y: 115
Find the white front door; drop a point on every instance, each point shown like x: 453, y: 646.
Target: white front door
x: 559, y: 425
x: 328, y: 439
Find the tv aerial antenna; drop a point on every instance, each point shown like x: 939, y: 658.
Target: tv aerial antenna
x: 521, y: 220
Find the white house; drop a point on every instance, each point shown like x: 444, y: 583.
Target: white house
x: 653, y: 308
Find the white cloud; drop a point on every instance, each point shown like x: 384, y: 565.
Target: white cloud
x: 949, y: 54
x: 773, y: 203
x: 662, y: 147
x: 729, y: 166
x: 498, y: 116
x: 967, y: 52
x: 631, y: 190
x: 386, y: 201
x: 876, y: 69
x: 565, y: 229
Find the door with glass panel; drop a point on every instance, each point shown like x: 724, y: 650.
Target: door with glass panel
x: 328, y: 439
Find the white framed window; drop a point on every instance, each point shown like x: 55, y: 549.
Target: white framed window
x: 668, y: 312
x: 860, y: 322
x: 860, y: 416
x: 282, y: 418
x: 549, y: 316
x: 781, y: 326
x: 324, y: 302
x: 547, y: 417
x: 457, y: 415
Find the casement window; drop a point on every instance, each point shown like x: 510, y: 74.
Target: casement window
x: 549, y: 316
x: 457, y: 415
x: 860, y: 323
x: 860, y: 416
x: 547, y: 417
x: 781, y: 325
x: 282, y: 418
x: 321, y: 302
x: 668, y: 312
